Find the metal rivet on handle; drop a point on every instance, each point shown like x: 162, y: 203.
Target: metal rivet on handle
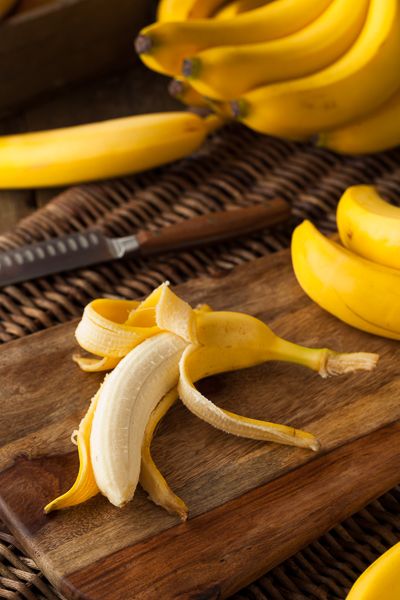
x: 83, y: 241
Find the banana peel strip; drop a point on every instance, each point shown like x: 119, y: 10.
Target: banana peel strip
x: 109, y: 329
x: 85, y: 486
x: 217, y: 342
x: 151, y: 479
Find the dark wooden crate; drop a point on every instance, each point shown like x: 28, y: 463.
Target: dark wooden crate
x: 66, y: 41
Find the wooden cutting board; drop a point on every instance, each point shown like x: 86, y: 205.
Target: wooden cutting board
x: 252, y: 504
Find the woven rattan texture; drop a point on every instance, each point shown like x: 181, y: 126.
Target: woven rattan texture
x: 235, y: 168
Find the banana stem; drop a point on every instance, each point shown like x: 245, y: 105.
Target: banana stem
x: 324, y: 361
x: 191, y: 67
x: 143, y: 44
x: 213, y: 122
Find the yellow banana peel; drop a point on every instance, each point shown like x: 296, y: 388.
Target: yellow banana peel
x: 156, y: 343
x: 85, y: 486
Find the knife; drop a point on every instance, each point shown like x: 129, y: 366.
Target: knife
x: 91, y: 247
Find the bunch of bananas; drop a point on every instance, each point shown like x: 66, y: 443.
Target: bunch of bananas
x: 328, y: 69
x: 359, y: 281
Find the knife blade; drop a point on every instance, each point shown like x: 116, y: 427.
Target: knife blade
x: 91, y: 247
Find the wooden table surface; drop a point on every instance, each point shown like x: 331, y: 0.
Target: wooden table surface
x: 131, y: 92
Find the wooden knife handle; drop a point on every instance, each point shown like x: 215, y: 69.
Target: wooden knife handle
x: 213, y: 227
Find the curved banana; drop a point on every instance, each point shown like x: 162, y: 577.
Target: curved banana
x: 128, y: 145
x: 381, y: 580
x: 359, y: 82
x: 187, y: 344
x: 128, y: 396
x: 377, y: 131
x: 6, y: 6
x: 369, y: 226
x: 163, y: 46
x: 357, y: 291
x: 227, y: 72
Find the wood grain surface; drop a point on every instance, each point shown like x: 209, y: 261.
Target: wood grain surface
x: 251, y: 504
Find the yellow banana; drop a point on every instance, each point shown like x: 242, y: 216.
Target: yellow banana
x: 227, y: 72
x: 369, y: 226
x: 100, y: 150
x: 163, y: 46
x: 182, y: 346
x: 377, y: 131
x: 363, y: 79
x: 6, y: 6
x: 381, y: 580
x: 357, y: 291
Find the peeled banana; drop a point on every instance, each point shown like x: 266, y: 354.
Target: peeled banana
x: 357, y: 291
x: 100, y: 150
x: 177, y: 346
x: 377, y: 131
x: 369, y: 226
x: 359, y: 82
x: 226, y: 72
x: 163, y: 46
x: 127, y: 398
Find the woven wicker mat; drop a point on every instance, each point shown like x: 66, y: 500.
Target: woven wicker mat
x: 236, y: 167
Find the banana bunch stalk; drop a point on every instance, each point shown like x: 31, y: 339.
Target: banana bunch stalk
x: 327, y: 70
x: 359, y: 281
x: 157, y: 350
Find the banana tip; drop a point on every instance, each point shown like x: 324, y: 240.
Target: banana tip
x: 238, y: 109
x: 176, y: 88
x: 191, y: 67
x: 315, y: 445
x: 143, y: 44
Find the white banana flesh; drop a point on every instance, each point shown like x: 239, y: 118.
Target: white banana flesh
x: 127, y: 398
